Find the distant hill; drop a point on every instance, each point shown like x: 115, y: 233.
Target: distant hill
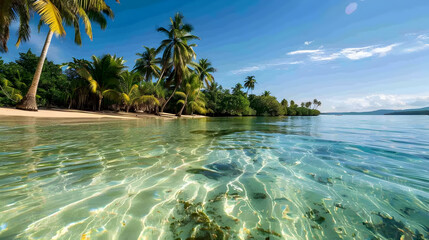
x: 416, y: 111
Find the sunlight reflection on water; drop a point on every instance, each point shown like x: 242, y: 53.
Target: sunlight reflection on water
x: 326, y: 177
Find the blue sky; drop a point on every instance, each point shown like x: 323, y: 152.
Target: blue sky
x: 351, y: 55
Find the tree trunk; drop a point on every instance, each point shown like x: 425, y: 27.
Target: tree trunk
x: 165, y: 104
x: 128, y: 108
x: 179, y: 114
x: 29, y: 101
x: 160, y: 77
x: 100, y: 98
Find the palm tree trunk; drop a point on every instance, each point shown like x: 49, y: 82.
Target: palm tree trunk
x: 160, y: 77
x: 100, y: 99
x: 179, y: 114
x: 165, y: 104
x: 29, y: 101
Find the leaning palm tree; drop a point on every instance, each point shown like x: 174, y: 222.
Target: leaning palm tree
x: 316, y: 103
x: 52, y: 13
x: 250, y: 83
x: 103, y: 75
x: 178, y: 53
x: 189, y: 93
x: 204, y: 70
x: 148, y: 64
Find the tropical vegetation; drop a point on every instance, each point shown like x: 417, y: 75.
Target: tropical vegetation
x: 167, y: 78
x: 55, y: 14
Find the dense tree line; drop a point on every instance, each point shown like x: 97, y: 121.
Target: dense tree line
x: 167, y: 78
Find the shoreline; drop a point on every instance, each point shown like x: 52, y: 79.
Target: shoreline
x: 80, y: 114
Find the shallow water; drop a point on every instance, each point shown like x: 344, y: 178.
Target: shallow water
x: 327, y: 177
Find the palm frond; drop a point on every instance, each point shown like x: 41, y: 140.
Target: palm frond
x: 181, y: 94
x: 50, y: 14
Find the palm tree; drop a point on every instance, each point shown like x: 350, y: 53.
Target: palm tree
x: 52, y: 13
x: 154, y: 96
x: 308, y: 104
x: 204, y: 70
x: 190, y: 95
x: 177, y: 51
x: 316, y: 103
x: 103, y: 75
x: 236, y: 90
x: 9, y: 90
x: 250, y: 83
x: 266, y: 93
x: 128, y: 88
x: 10, y: 10
x: 78, y: 86
x: 147, y: 64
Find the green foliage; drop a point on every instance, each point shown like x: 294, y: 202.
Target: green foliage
x: 266, y: 105
x: 191, y: 98
x: 53, y: 85
x: 155, y: 80
x: 148, y: 64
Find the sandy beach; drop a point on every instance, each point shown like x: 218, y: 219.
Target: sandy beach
x: 77, y: 114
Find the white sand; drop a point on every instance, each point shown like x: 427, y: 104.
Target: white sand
x: 77, y: 114
x: 10, y: 112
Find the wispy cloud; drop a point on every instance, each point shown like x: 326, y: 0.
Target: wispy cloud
x: 348, y: 53
x: 419, y: 42
x: 265, y: 66
x: 420, y: 45
x: 330, y: 57
x: 247, y: 69
x: 416, y: 48
x: 378, y: 101
x: 423, y: 37
x: 316, y: 51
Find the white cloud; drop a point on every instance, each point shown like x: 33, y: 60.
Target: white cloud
x: 247, y: 69
x: 423, y: 37
x: 416, y: 48
x: 296, y: 62
x: 376, y: 102
x: 330, y: 57
x: 308, y: 42
x: 264, y: 66
x: 316, y: 51
x: 349, y: 53
x: 356, y: 53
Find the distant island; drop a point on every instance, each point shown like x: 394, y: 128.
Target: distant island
x: 416, y: 111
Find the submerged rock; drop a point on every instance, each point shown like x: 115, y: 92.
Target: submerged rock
x: 339, y: 205
x: 217, y: 170
x: 392, y: 229
x: 205, y: 172
x: 314, y: 215
x: 259, y: 196
x: 193, y: 223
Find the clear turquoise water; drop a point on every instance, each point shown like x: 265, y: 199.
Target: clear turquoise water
x: 327, y: 177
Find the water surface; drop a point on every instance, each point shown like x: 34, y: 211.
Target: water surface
x: 327, y: 177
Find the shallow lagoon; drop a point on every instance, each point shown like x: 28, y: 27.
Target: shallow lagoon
x: 327, y: 177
